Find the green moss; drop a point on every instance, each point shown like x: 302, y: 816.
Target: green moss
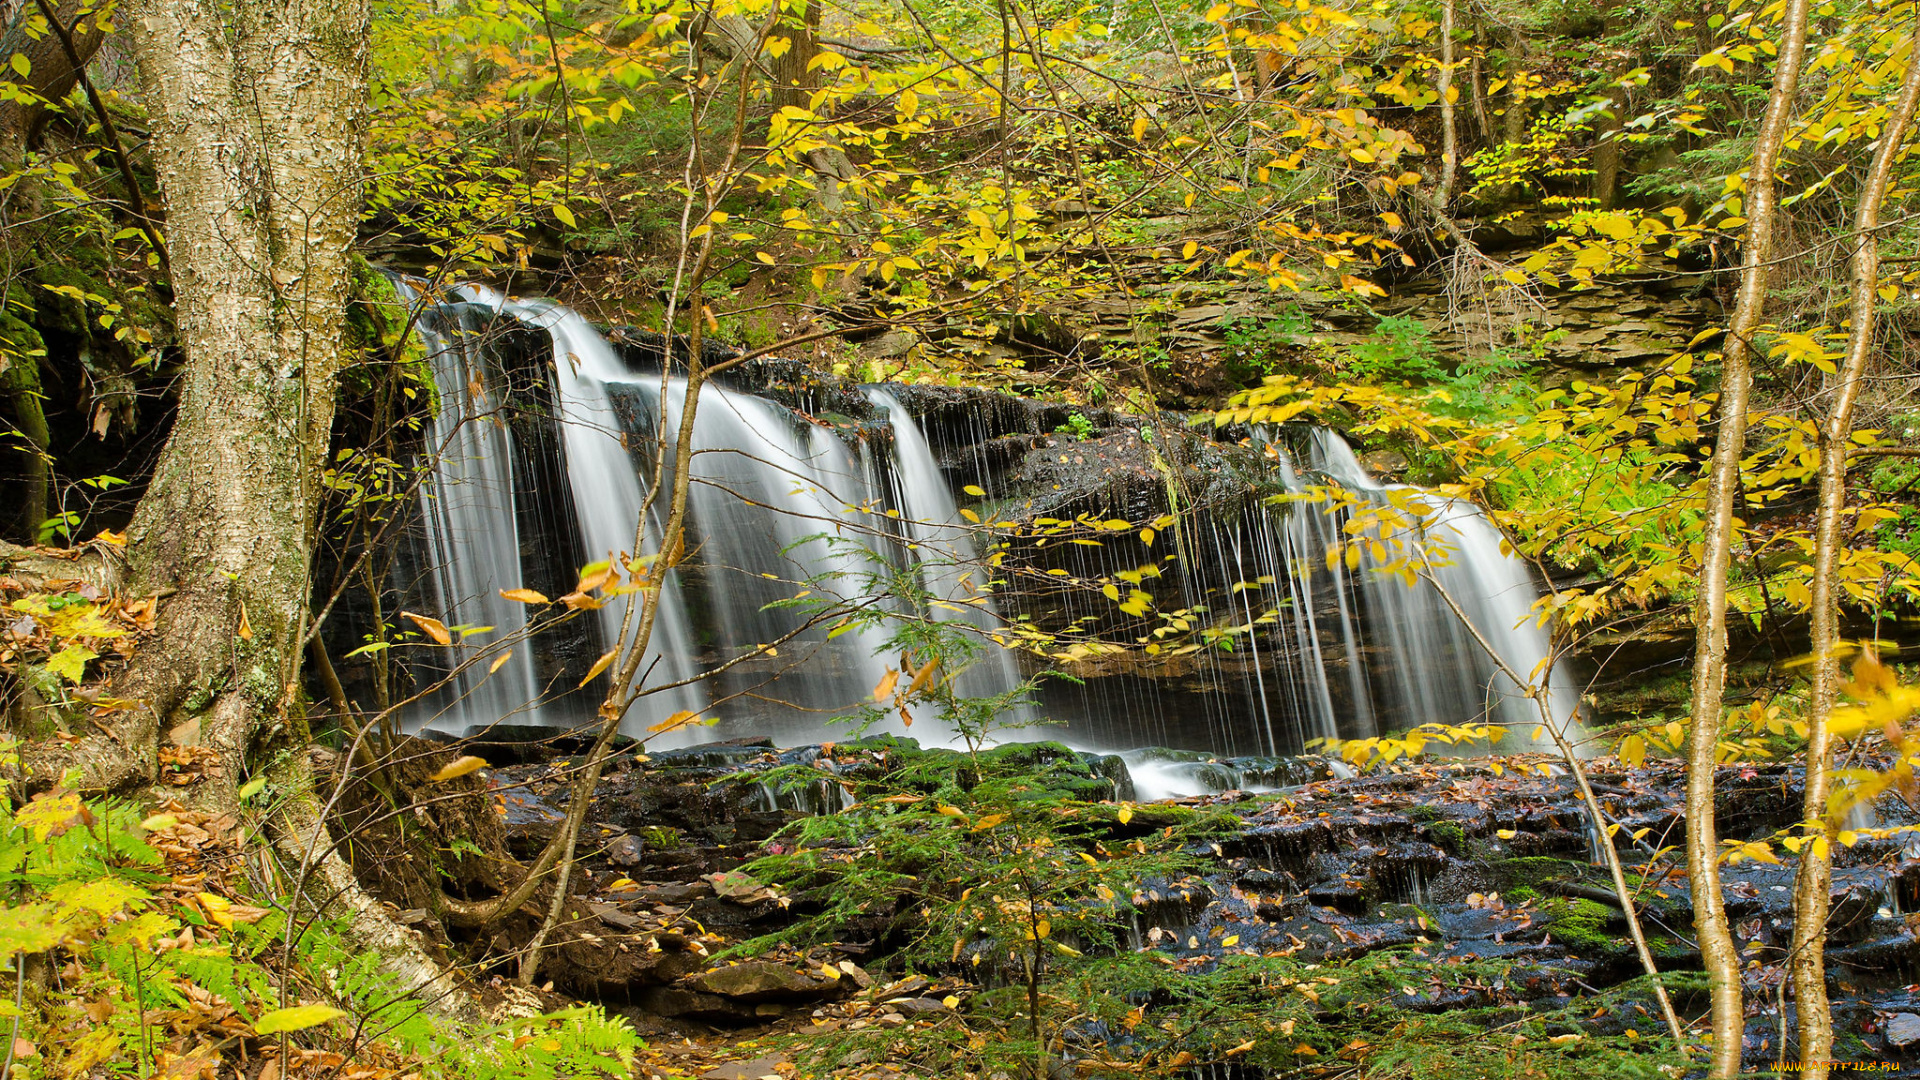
x: 1449, y: 835
x: 377, y: 330
x: 1580, y: 925
x: 1511, y: 874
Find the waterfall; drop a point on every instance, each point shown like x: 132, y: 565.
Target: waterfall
x: 781, y: 510
x: 608, y: 498
x: 472, y: 532
x: 947, y: 556
x: 1425, y: 637
x: 791, y: 522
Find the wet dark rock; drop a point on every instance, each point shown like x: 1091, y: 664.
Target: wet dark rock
x: 681, y: 1003
x: 597, y: 966
x: 674, y: 893
x: 614, y: 917
x: 625, y: 851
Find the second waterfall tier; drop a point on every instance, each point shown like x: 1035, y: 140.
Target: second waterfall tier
x: 811, y: 500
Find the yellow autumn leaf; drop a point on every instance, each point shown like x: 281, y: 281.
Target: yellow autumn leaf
x: 433, y: 628
x: 1633, y: 751
x: 673, y: 723
x: 218, y: 909
x: 458, y: 767
x: 600, y: 665
x: 524, y: 596
x: 298, y: 1018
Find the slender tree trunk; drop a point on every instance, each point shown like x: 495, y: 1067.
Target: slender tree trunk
x: 1717, y: 950
x: 1812, y: 887
x: 1477, y: 73
x: 1449, y: 132
x: 1514, y: 119
x: 1607, y: 152
x: 20, y: 383
x: 793, y: 80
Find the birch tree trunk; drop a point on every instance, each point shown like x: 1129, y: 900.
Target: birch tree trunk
x: 257, y: 111
x: 1813, y: 884
x: 1449, y: 131
x: 1717, y: 951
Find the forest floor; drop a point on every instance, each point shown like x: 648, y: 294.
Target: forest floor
x: 1441, y: 919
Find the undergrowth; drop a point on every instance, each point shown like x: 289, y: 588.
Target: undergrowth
x: 155, y: 946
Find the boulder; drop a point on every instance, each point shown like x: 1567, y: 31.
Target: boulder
x: 759, y: 980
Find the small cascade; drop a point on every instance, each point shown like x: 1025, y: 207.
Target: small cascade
x: 1410, y: 883
x: 1159, y: 773
x: 468, y: 503
x: 947, y: 557
x: 1438, y: 670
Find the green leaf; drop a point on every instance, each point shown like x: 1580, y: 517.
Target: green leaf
x: 252, y: 787
x: 22, y: 65
x: 565, y: 214
x: 52, y: 813
x: 298, y: 1018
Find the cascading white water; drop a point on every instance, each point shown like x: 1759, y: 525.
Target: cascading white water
x: 473, y: 537
x: 781, y: 509
x: 785, y: 513
x: 947, y: 555
x: 608, y: 500
x: 1466, y: 556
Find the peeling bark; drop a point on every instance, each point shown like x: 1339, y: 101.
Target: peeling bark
x: 257, y: 113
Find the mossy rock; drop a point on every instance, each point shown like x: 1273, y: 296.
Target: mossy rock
x: 1449, y: 835
x: 1048, y: 769
x: 1583, y: 926
x: 1534, y: 871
